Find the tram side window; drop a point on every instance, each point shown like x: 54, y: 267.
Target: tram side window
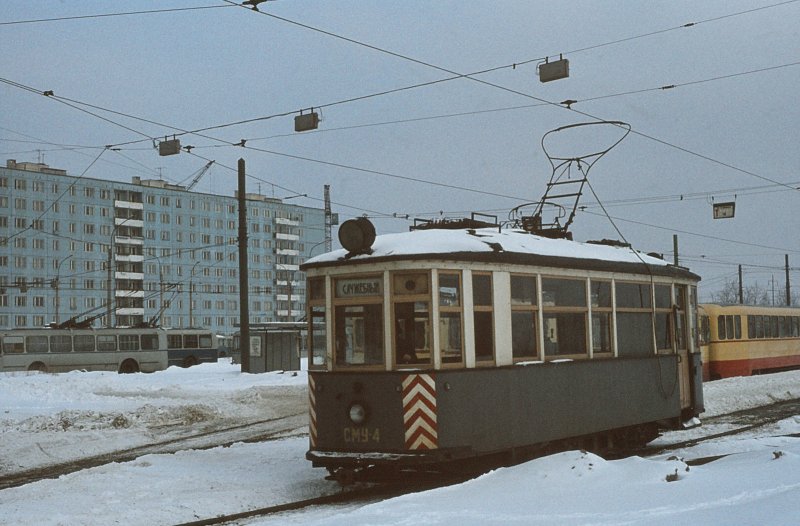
x: 795, y: 326
x: 564, y: 314
x: 451, y: 341
x: 174, y: 341
x: 634, y: 319
x: 359, y: 334
x: 206, y: 341
x: 524, y: 340
x: 317, y: 341
x: 61, y: 343
x: 483, y: 317
x: 190, y: 341
x: 705, y: 330
x: 601, y: 317
x: 665, y: 329
x: 412, y: 326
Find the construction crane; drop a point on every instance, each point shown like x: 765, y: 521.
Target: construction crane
x: 198, y: 175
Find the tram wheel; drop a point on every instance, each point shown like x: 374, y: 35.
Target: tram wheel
x: 129, y: 366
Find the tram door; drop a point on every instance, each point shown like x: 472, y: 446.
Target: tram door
x: 682, y: 347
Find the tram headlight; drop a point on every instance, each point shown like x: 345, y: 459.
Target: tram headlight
x: 358, y: 415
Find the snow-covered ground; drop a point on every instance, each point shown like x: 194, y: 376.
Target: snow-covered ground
x: 50, y: 418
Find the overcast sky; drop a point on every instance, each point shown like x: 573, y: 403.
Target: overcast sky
x: 727, y: 131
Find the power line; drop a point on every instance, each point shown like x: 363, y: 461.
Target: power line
x: 517, y: 92
x: 715, y: 238
x: 106, y: 15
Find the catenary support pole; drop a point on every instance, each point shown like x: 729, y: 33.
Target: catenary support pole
x: 244, y: 310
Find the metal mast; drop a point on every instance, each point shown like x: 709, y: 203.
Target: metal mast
x: 328, y: 218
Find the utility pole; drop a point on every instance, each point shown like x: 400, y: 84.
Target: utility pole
x: 741, y: 287
x: 244, y: 307
x: 788, y: 290
x: 676, y: 260
x: 328, y: 218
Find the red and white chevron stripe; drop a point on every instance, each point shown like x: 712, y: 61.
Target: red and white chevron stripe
x: 419, y: 411
x: 312, y: 412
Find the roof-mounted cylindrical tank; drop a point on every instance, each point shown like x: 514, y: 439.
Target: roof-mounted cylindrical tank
x: 357, y: 235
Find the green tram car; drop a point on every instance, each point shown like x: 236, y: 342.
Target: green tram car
x: 436, y: 348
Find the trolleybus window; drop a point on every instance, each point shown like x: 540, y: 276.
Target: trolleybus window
x: 128, y: 342
x: 84, y: 343
x: 411, y: 319
x: 190, y: 341
x: 36, y: 344
x: 634, y: 319
x: 61, y: 343
x: 564, y: 316
x: 106, y: 342
x: 482, y: 317
x: 523, y: 318
x: 450, y: 329
x: 149, y: 342
x: 13, y: 345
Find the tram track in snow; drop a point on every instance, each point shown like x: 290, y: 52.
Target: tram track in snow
x: 757, y: 417
x: 745, y: 420
x: 257, y: 431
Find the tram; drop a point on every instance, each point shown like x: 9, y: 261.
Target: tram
x: 741, y: 340
x: 462, y: 342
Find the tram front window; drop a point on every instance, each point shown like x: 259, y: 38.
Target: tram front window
x: 412, y: 333
x: 359, y: 334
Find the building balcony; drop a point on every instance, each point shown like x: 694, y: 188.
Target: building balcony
x: 130, y: 311
x: 133, y: 276
x: 119, y: 221
x: 129, y: 204
x: 129, y: 293
x: 130, y: 258
x: 127, y: 240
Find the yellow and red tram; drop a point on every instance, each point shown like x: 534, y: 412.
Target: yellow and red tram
x: 741, y: 340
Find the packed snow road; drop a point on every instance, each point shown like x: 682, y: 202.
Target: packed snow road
x: 46, y: 419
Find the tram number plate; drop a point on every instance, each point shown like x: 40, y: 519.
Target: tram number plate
x: 362, y: 435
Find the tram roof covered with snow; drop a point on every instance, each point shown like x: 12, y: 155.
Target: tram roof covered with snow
x: 509, y: 246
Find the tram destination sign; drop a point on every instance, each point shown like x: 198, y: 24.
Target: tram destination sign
x: 356, y: 288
